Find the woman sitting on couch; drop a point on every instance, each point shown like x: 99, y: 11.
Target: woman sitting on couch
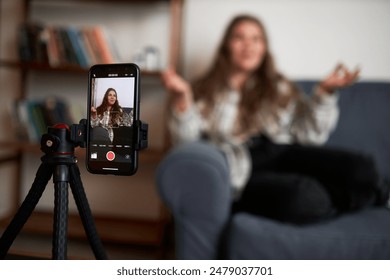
x: 270, y: 132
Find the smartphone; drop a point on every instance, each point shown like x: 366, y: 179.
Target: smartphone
x: 113, y: 111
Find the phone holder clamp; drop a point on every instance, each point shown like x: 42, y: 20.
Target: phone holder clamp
x: 78, y: 134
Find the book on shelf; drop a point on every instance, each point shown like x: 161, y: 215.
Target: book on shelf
x: 66, y: 45
x: 32, y: 117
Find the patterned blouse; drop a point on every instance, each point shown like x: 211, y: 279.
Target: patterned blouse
x: 307, y: 122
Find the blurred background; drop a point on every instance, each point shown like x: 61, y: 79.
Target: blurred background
x: 307, y: 37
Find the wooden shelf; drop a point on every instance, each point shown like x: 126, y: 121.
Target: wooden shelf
x: 66, y: 68
x: 105, y: 1
x: 111, y: 228
x: 145, y: 156
x: 124, y: 230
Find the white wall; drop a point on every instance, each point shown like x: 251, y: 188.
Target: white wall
x: 308, y: 37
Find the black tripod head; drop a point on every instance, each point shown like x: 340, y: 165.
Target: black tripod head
x: 62, y: 139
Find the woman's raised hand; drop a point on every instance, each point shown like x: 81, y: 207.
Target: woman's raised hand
x: 179, y: 89
x: 339, y: 78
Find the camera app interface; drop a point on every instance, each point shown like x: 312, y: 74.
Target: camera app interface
x: 111, y: 120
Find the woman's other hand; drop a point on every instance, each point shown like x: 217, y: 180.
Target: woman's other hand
x: 339, y: 78
x: 93, y: 112
x: 179, y: 89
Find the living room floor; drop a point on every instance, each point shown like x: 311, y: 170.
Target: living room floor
x: 38, y: 246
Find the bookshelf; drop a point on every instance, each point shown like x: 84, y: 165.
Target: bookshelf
x: 39, y: 79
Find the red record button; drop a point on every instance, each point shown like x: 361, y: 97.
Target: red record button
x: 110, y: 156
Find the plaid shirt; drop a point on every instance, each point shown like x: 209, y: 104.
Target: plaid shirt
x: 308, y: 122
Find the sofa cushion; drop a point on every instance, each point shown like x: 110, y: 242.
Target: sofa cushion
x: 363, y: 126
x: 360, y: 235
x: 193, y: 181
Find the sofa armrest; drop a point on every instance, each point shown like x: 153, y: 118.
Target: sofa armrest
x: 193, y: 181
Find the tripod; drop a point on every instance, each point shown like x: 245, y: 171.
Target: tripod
x: 60, y: 162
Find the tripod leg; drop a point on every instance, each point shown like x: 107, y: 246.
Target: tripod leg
x: 85, y: 213
x: 60, y: 224
x: 43, y: 175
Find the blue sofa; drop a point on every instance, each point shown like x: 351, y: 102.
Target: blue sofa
x: 193, y: 182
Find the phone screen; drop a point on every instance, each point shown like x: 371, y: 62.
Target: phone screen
x: 113, y: 108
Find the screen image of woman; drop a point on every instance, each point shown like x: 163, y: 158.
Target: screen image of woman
x: 109, y: 115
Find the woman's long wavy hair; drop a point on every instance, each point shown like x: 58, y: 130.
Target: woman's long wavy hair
x: 261, y: 87
x: 116, y: 109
